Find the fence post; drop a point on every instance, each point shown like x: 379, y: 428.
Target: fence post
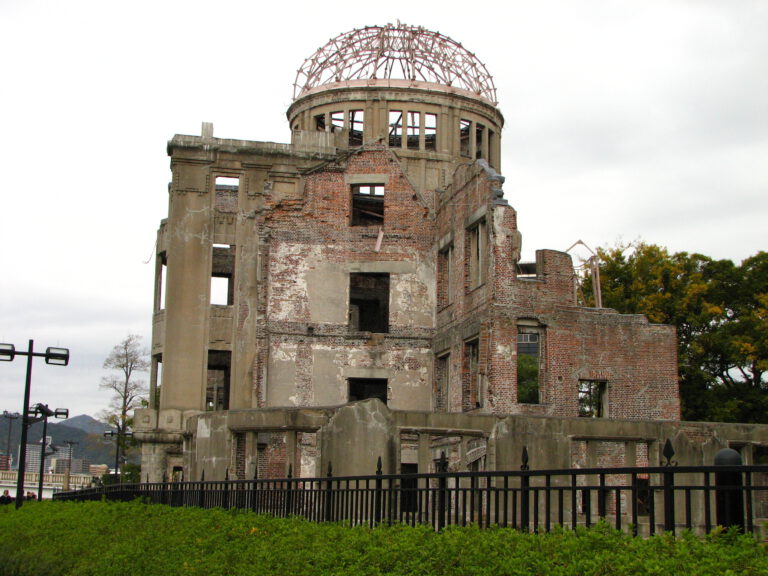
x: 164, y: 490
x: 225, y: 503
x: 669, y: 488
x: 201, y: 495
x: 377, y: 495
x: 289, y: 492
x: 254, y: 489
x: 728, y: 491
x: 328, y: 515
x: 525, y: 483
x: 442, y: 490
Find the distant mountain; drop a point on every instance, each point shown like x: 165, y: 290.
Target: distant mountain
x: 87, y: 424
x: 84, y: 430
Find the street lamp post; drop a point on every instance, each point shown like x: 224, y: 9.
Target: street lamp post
x: 11, y: 416
x: 55, y: 356
x: 69, y: 443
x: 120, y: 434
x: 42, y: 412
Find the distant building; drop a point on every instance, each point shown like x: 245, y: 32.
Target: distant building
x: 74, y: 466
x: 358, y: 293
x: 98, y: 470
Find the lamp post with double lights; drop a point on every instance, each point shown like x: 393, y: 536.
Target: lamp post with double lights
x: 37, y: 413
x: 54, y: 356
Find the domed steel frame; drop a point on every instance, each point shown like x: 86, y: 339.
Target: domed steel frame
x: 395, y: 51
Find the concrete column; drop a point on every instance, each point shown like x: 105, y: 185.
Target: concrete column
x: 188, y: 290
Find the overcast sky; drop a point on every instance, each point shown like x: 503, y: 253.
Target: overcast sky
x: 624, y: 120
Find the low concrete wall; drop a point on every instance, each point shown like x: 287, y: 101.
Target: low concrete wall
x: 352, y: 438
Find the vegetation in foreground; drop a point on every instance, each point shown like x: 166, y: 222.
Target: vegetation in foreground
x: 111, y: 539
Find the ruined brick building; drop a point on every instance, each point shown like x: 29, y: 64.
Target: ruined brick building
x: 359, y: 293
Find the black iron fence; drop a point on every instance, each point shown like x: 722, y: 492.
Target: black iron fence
x: 642, y: 501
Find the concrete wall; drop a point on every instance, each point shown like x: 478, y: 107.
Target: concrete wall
x: 352, y: 438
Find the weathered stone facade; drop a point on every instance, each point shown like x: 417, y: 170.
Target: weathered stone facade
x: 377, y: 257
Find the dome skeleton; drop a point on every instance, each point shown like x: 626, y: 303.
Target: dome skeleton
x: 395, y: 52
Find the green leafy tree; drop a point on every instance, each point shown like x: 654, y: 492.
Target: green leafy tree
x: 719, y: 310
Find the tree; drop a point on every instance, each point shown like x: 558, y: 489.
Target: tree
x: 719, y: 310
x: 126, y: 359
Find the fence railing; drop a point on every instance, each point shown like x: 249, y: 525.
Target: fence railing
x: 641, y: 500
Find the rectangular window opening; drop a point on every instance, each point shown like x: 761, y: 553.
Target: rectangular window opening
x: 477, y: 260
x: 222, y: 275
x: 155, y: 381
x: 445, y: 277
x: 528, y: 365
x: 470, y: 386
x: 442, y: 379
x: 592, y: 398
x: 367, y: 204
x: 464, y: 128
x: 413, y: 130
x: 409, y: 487
x: 492, y: 149
x: 479, y: 151
x: 218, y: 380
x: 369, y: 302
x: 320, y: 122
x: 364, y: 388
x: 162, y: 281
x: 356, y: 127
x: 226, y: 194
x: 395, y: 128
x: 430, y: 131
x: 337, y: 121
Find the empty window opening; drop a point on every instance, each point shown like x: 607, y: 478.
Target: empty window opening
x: 527, y: 270
x: 492, y: 148
x: 395, y: 128
x: 528, y: 365
x: 464, y: 129
x: 337, y: 121
x: 320, y: 122
x: 364, y: 388
x: 430, y: 131
x: 591, y: 398
x: 162, y: 279
x: 217, y: 388
x: 442, y: 379
x: 226, y: 194
x: 356, y: 127
x: 477, y: 247
x: 413, y: 130
x: 479, y: 151
x: 155, y: 381
x: 759, y: 454
x: 367, y: 204
x: 409, y: 488
x: 470, y: 385
x: 643, y: 491
x: 369, y: 302
x: 445, y: 277
x: 222, y: 275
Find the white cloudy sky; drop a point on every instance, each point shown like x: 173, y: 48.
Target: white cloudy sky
x: 624, y: 120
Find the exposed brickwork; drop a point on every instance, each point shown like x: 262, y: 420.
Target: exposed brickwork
x: 637, y: 360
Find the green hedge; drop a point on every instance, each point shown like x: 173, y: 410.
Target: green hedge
x: 113, y: 539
